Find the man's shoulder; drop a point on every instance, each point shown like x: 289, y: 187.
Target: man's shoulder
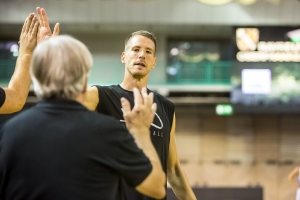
x: 108, y: 125
x: 104, y: 90
x: 106, y: 87
x: 163, y: 99
x: 101, y: 117
x: 23, y: 117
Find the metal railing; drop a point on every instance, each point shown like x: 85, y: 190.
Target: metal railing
x: 200, y: 73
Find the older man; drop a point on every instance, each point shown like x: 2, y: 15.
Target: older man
x: 59, y: 149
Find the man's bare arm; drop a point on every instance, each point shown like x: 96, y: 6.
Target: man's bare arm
x: 92, y: 98
x: 292, y: 175
x: 19, y: 84
x: 176, y: 176
x: 33, y: 32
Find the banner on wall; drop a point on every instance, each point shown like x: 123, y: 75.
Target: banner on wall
x: 268, y: 44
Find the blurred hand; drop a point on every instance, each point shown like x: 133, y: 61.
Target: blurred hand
x: 44, y: 31
x: 28, y: 37
x: 142, y: 114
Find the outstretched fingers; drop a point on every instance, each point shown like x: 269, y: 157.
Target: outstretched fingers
x: 126, y: 106
x: 56, y: 30
x: 27, y: 23
x: 138, y: 100
x: 148, y: 99
x: 44, y: 22
x: 24, y: 28
x: 35, y: 28
x: 45, y: 18
x: 153, y: 105
x: 154, y: 108
x: 38, y: 10
x: 32, y: 24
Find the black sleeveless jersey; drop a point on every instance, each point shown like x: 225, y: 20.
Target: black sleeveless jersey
x: 2, y: 97
x: 109, y: 104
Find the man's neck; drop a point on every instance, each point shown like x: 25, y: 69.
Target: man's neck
x: 80, y: 98
x: 129, y: 84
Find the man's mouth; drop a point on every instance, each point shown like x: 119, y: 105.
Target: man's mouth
x: 141, y: 64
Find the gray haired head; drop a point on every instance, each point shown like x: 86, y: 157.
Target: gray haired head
x: 60, y: 67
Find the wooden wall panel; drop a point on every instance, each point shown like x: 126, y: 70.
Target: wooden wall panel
x: 195, y: 173
x: 241, y: 175
x: 214, y: 175
x: 227, y: 145
x: 290, y: 138
x: 240, y: 139
x: 286, y: 190
x: 266, y: 138
x: 266, y: 176
x: 188, y: 133
x: 213, y: 138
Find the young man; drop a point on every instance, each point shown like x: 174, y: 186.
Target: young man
x: 139, y: 59
x: 13, y: 97
x: 59, y: 149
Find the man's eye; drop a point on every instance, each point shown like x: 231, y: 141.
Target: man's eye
x: 136, y: 50
x: 149, y: 52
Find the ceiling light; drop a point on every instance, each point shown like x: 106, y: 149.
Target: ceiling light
x: 215, y: 2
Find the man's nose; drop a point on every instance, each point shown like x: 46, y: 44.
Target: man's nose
x: 142, y: 54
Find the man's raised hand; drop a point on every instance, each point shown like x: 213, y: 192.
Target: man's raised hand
x: 44, y: 31
x: 28, y: 37
x: 142, y: 114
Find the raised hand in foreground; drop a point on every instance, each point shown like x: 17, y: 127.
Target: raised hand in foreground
x: 15, y: 94
x: 44, y: 31
x: 142, y: 114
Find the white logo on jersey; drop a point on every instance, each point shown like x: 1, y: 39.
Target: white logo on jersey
x: 156, y: 126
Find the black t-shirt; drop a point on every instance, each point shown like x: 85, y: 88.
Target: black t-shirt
x: 60, y: 150
x: 109, y: 104
x: 2, y: 97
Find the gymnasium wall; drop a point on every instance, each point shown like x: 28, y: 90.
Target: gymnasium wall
x: 155, y: 12
x: 240, y: 151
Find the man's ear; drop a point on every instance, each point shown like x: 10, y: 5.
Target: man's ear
x: 123, y: 57
x: 154, y: 64
x: 85, y: 86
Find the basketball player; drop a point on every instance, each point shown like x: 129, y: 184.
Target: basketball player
x: 139, y: 59
x: 13, y: 97
x: 59, y: 149
x: 294, y: 177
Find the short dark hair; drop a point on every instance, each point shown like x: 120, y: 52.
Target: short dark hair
x: 146, y: 34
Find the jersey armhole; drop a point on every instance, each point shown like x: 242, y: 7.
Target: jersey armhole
x: 2, y: 97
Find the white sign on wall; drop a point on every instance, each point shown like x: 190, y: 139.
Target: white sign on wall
x: 256, y: 81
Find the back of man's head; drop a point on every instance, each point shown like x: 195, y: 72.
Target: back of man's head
x: 60, y: 67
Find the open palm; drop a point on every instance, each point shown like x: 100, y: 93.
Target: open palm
x: 44, y: 31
